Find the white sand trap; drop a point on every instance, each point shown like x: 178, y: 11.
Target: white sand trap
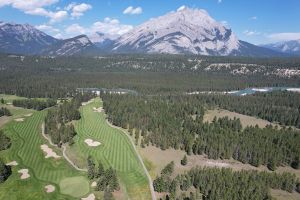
x: 92, y: 143
x: 217, y: 164
x: 49, y: 188
x: 19, y: 119
x: 28, y: 115
x: 49, y: 152
x: 25, y: 173
x: 12, y: 163
x: 94, y: 184
x: 90, y: 197
x: 100, y: 109
x: 86, y: 103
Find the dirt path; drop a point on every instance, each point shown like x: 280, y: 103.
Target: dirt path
x: 64, y: 150
x: 139, y: 157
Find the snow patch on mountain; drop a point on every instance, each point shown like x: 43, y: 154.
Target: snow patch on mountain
x: 185, y: 31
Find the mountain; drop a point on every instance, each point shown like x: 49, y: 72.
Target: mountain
x: 186, y: 31
x: 23, y: 39
x: 79, y: 45
x: 291, y: 47
x: 103, y: 41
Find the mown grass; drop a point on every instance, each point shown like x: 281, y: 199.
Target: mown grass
x: 26, y: 141
x: 115, y: 150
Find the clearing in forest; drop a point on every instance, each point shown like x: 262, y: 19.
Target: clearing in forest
x: 115, y: 151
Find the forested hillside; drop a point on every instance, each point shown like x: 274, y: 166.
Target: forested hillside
x: 32, y: 76
x: 177, y: 122
x: 215, y: 184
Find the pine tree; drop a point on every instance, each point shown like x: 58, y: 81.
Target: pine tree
x: 184, y: 160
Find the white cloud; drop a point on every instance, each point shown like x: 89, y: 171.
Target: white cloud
x: 108, y: 26
x: 253, y: 18
x: 26, y: 5
x: 78, y: 9
x: 133, y: 11
x: 47, y: 28
x: 284, y: 36
x: 75, y: 29
x: 36, y: 7
x: 251, y: 33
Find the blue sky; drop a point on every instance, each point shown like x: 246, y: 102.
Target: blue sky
x: 255, y: 21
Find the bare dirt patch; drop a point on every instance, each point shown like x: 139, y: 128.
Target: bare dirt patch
x: 245, y: 120
x: 159, y: 159
x: 12, y: 163
x: 283, y: 195
x: 19, y: 119
x: 24, y: 173
x: 4, y: 120
x: 49, y: 152
x: 92, y: 143
x: 90, y: 197
x: 50, y: 188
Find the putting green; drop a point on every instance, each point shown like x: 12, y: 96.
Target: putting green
x: 74, y: 186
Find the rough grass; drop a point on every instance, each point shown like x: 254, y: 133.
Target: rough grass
x: 26, y: 141
x: 159, y: 159
x: 115, y: 151
x: 74, y: 186
x: 245, y: 120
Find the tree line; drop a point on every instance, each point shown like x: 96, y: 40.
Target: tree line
x: 59, y: 77
x: 177, y: 122
x: 4, y: 112
x: 106, y: 179
x: 276, y: 106
x: 5, y: 170
x: 224, y: 183
x: 57, y: 120
x: 35, y: 104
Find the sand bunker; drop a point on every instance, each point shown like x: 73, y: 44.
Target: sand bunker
x: 92, y: 143
x: 49, y: 152
x: 90, y: 197
x: 13, y: 163
x: 86, y: 103
x: 217, y: 164
x: 49, y: 188
x: 25, y: 173
x: 19, y: 119
x: 28, y: 115
x: 94, y: 184
x: 100, y: 109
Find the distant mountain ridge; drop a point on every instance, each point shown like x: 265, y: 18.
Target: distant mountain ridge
x: 291, y: 47
x: 186, y: 31
x: 23, y: 39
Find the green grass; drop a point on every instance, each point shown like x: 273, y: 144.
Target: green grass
x: 9, y: 98
x: 26, y: 141
x: 115, y: 150
x: 74, y: 186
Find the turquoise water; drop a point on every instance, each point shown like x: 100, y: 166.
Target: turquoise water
x: 265, y: 89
